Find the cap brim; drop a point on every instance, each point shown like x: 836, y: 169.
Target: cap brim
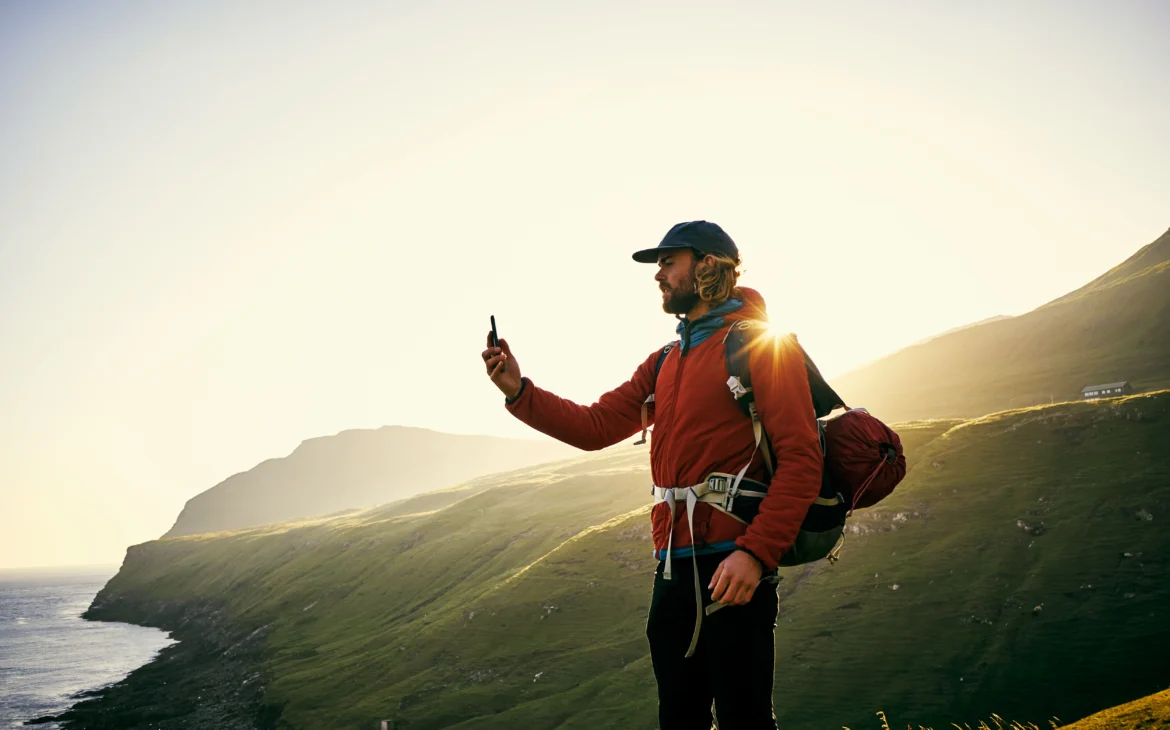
x: 650, y: 255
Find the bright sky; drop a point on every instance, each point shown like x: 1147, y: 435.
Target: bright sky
x: 227, y: 227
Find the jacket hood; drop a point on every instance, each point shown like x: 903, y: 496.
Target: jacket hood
x: 746, y: 305
x: 753, y: 306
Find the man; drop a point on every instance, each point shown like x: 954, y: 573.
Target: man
x: 699, y: 429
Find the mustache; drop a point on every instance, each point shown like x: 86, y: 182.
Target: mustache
x: 684, y: 288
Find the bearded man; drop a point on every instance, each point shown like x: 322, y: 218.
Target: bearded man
x: 708, y: 558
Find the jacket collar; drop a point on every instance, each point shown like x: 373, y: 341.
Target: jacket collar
x: 694, y: 332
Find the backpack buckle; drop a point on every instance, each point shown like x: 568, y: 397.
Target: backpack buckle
x: 736, y: 387
x: 717, y: 484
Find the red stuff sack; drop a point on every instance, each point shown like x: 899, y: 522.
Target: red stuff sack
x: 863, y: 456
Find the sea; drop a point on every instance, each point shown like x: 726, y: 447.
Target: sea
x: 48, y: 654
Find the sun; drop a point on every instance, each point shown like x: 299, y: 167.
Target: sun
x: 774, y: 329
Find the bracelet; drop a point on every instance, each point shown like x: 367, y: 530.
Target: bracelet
x: 754, y: 556
x: 513, y: 399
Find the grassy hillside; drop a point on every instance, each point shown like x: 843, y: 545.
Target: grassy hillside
x: 1020, y: 569
x: 1148, y: 713
x: 1115, y: 328
x: 354, y: 469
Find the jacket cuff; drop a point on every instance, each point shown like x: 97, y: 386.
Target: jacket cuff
x: 769, y: 565
x: 516, y: 398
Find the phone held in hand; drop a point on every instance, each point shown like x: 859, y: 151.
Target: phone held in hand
x: 495, y: 337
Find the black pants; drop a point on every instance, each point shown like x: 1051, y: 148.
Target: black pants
x: 733, y: 663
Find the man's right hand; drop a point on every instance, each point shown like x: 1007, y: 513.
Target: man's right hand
x: 502, y: 368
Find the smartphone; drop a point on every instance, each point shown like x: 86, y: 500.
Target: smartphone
x: 495, y: 337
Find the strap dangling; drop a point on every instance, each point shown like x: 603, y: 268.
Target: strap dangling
x: 761, y: 442
x: 758, y: 428
x: 666, y: 575
x: 645, y: 419
x: 692, y: 500
x: 835, y: 554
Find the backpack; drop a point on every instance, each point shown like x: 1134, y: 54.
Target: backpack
x: 863, y: 458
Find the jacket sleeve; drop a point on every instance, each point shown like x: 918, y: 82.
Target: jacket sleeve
x: 780, y: 384
x: 617, y: 415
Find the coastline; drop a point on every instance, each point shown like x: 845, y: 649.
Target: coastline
x: 50, y: 657
x: 208, y: 680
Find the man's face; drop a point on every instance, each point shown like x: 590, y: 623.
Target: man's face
x: 676, y: 280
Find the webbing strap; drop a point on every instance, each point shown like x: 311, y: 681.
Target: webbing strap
x: 758, y: 428
x: 692, y: 500
x: 645, y: 418
x: 650, y: 398
x: 669, y: 499
x: 719, y: 499
x: 698, y: 493
x: 714, y: 491
x: 668, y: 496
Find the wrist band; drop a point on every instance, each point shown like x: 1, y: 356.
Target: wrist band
x: 523, y: 385
x: 754, y: 556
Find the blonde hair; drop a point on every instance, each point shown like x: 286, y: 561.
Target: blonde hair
x: 715, y: 282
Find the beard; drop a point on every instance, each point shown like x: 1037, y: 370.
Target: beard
x: 682, y: 299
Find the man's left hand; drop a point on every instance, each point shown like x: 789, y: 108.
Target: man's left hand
x: 735, y: 579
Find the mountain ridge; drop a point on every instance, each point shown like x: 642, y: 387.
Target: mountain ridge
x: 1149, y: 259
x: 353, y: 469
x: 1115, y: 328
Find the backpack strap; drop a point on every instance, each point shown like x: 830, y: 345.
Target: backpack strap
x: 737, y: 343
x: 650, y: 398
x: 736, y: 351
x: 740, y: 338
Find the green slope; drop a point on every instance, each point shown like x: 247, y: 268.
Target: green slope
x: 519, y: 601
x: 1115, y: 328
x: 1147, y: 713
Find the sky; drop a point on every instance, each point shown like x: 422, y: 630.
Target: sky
x: 229, y: 227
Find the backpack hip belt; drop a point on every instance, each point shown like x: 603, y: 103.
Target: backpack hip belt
x: 719, y: 490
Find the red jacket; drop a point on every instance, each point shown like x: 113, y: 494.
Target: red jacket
x: 699, y: 429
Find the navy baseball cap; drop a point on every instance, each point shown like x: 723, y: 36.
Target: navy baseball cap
x: 700, y: 235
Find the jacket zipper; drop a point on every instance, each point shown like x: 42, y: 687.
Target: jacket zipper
x: 684, y: 347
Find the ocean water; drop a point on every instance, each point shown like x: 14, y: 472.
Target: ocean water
x: 48, y: 653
